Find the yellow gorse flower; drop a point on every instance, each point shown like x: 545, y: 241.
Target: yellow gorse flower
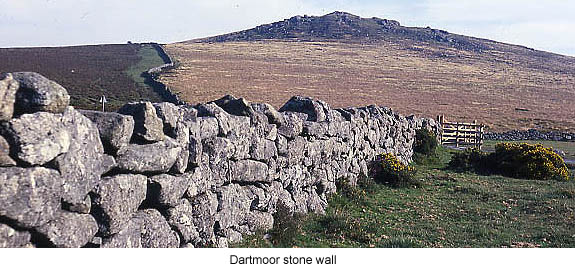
x: 391, y: 163
x: 538, y: 162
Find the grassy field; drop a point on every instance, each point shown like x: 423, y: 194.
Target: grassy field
x: 449, y: 210
x: 506, y: 87
x: 88, y: 72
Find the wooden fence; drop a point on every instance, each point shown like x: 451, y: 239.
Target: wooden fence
x: 460, y: 134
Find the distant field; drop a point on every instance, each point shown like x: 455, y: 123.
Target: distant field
x: 507, y: 87
x: 88, y: 72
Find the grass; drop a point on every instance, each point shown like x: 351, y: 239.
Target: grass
x: 450, y: 210
x: 149, y: 58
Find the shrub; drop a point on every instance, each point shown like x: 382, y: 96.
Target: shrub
x: 425, y: 142
x: 470, y: 159
x: 287, y: 227
x: 529, y: 161
x: 517, y: 160
x: 358, y: 192
x: 387, y: 169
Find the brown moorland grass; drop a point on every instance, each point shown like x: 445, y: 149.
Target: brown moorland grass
x: 506, y: 87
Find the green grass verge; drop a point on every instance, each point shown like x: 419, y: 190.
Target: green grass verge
x: 149, y: 58
x: 450, y: 210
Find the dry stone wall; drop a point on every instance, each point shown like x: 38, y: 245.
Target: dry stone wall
x: 165, y: 175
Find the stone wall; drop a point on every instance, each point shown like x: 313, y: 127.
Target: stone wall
x: 151, y: 77
x: 165, y: 175
x: 531, y: 134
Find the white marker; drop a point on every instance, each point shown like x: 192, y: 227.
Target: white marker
x: 103, y: 101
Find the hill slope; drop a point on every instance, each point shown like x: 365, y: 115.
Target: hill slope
x: 88, y: 72
x: 351, y: 61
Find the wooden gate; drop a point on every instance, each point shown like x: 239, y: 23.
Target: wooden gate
x: 461, y: 134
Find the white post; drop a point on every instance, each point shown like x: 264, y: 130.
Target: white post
x: 103, y: 101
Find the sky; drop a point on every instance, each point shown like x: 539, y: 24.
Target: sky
x: 547, y: 25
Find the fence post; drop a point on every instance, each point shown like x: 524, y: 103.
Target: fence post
x: 440, y: 121
x: 457, y: 134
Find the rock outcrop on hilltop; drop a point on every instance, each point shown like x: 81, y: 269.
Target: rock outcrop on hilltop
x: 343, y: 26
x: 165, y: 175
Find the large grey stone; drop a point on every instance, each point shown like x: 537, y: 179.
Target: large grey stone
x: 295, y: 150
x: 316, y: 129
x: 5, y: 159
x: 207, y: 128
x: 204, y: 209
x: 263, y: 149
x: 292, y: 126
x: 314, y: 109
x: 218, y: 149
x: 241, y: 146
x: 170, y: 115
x: 181, y: 218
x: 167, y: 189
x: 150, y: 158
x: 147, y: 125
x: 259, y: 221
x: 85, y: 161
x: 36, y: 138
x: 188, y: 113
x: 147, y: 229
x: 11, y: 238
x: 264, y: 196
x: 200, y: 181
x: 269, y: 111
x: 8, y: 88
x: 195, y: 149
x: 82, y: 207
x: 155, y: 231
x: 37, y: 93
x: 282, y: 145
x: 227, y: 123
x: 234, y: 106
x: 128, y: 237
x: 249, y: 171
x: 116, y: 199
x: 182, y: 136
x: 115, y: 129
x: 70, y: 230
x: 234, y: 203
x: 29, y: 196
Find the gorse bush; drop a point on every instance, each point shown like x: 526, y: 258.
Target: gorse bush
x: 388, y: 170
x: 470, y: 159
x: 530, y: 161
x: 425, y: 142
x: 517, y: 160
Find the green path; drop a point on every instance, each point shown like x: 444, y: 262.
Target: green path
x: 149, y: 59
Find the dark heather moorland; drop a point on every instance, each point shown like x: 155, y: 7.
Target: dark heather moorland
x: 88, y: 72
